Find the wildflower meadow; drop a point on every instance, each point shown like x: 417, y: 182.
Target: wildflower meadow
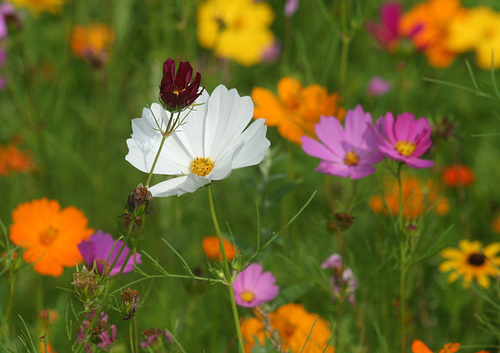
x: 249, y: 176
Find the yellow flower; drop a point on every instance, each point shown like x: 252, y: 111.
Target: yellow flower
x: 37, y: 6
x: 296, y: 109
x: 236, y: 29
x: 477, y: 29
x: 49, y: 234
x: 294, y: 325
x: 471, y: 262
x: 427, y: 24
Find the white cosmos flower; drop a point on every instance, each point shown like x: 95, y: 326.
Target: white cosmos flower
x: 211, y: 143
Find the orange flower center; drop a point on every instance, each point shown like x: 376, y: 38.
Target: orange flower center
x: 351, y: 158
x: 247, y: 296
x: 202, y: 166
x: 48, y: 235
x: 405, y: 148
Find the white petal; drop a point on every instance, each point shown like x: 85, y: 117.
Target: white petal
x: 167, y: 188
x: 224, y: 166
x: 192, y: 133
x: 227, y: 116
x: 179, y: 186
x: 255, y: 145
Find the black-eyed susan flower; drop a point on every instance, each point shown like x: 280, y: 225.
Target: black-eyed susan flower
x: 213, y: 141
x: 471, y: 262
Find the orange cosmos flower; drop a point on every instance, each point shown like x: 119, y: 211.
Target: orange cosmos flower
x: 92, y: 42
x: 211, y: 247
x: 495, y: 225
x: 49, y: 234
x: 294, y: 325
x: 296, y: 109
x: 420, y: 347
x: 458, y: 176
x: 428, y: 24
x: 417, y: 197
x: 12, y: 159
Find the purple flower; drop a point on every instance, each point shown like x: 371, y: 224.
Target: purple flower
x: 378, y: 86
x: 350, y: 153
x: 7, y: 11
x: 272, y: 52
x: 405, y: 139
x: 102, y: 332
x: 334, y: 261
x: 153, y: 335
x: 386, y: 32
x: 343, y: 281
x: 252, y: 287
x: 176, y: 91
x: 291, y: 7
x: 101, y: 250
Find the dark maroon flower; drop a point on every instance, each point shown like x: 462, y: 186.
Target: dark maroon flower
x: 176, y: 91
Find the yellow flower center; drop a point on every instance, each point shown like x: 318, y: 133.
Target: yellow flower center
x: 202, y: 166
x: 476, y: 259
x: 48, y: 235
x: 405, y: 148
x: 351, y: 158
x: 247, y: 296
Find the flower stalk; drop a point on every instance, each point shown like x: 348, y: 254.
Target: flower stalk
x: 227, y: 272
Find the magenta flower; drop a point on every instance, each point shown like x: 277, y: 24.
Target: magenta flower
x: 378, y: 86
x: 252, y: 287
x: 176, y: 91
x: 101, y: 250
x: 291, y: 7
x: 347, y: 154
x: 387, y: 32
x: 343, y: 282
x: 334, y: 261
x: 102, y: 333
x: 7, y: 11
x: 405, y: 139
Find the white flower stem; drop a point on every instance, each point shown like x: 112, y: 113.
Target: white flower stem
x: 227, y: 272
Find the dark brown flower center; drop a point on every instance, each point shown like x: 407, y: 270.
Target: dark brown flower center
x: 476, y: 259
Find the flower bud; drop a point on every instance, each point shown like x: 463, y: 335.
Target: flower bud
x: 86, y: 285
x: 129, y: 301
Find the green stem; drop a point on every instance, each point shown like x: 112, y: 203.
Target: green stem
x: 171, y: 126
x: 131, y: 336
x: 227, y: 272
x: 12, y: 281
x: 403, y: 261
x: 345, y: 39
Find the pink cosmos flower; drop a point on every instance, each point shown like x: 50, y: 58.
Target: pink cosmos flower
x: 334, y: 261
x: 349, y: 153
x: 102, y: 332
x: 102, y: 250
x: 378, y: 86
x: 343, y: 282
x: 386, y: 32
x: 405, y: 139
x: 253, y: 287
x: 291, y: 7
